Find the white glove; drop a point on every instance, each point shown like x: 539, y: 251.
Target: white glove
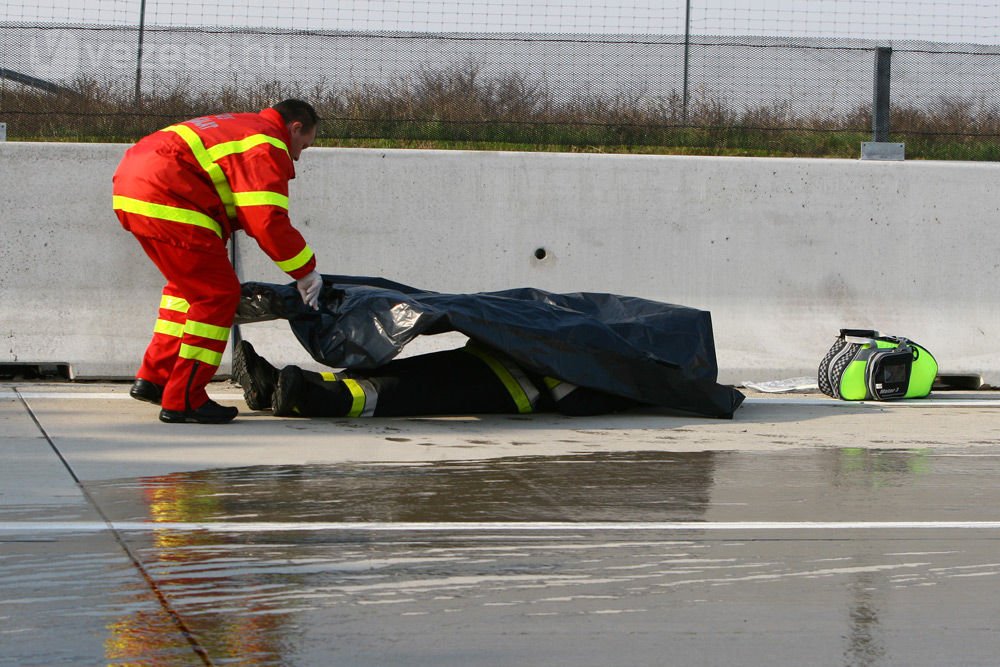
x: 309, y: 286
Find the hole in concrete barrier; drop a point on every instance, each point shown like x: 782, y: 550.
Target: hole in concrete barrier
x: 47, y: 372
x: 541, y: 253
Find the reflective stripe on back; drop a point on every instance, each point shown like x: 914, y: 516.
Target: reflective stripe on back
x: 219, y: 151
x: 164, y: 212
x: 213, y: 170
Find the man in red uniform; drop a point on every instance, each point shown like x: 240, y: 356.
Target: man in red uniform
x: 183, y: 191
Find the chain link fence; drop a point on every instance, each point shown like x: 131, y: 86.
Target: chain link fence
x: 752, y: 77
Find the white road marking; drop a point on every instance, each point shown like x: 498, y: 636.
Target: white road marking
x: 92, y: 395
x: 911, y: 403
x: 806, y: 402
x: 476, y: 526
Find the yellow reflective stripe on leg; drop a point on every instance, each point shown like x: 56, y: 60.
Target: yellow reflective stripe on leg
x: 174, y: 303
x: 358, y: 405
x: 364, y: 395
x: 558, y: 388
x: 213, y: 170
x: 296, y: 262
x: 260, y: 198
x: 219, y: 151
x: 210, y: 357
x: 520, y: 388
x: 168, y: 328
x: 164, y: 212
x: 206, y: 330
x: 328, y: 376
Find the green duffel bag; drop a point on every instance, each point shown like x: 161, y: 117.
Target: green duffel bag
x: 862, y: 366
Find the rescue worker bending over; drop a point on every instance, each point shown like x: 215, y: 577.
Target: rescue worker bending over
x: 470, y: 380
x: 183, y: 191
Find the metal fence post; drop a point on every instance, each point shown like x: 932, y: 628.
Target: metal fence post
x: 687, y: 48
x: 880, y: 104
x: 138, y: 57
x: 3, y: 131
x: 880, y: 148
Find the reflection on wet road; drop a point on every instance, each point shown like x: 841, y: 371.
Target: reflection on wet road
x: 631, y: 487
x: 370, y: 597
x: 83, y: 586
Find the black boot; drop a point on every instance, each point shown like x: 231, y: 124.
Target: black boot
x: 288, y: 392
x: 146, y: 391
x: 209, y: 413
x: 255, y: 375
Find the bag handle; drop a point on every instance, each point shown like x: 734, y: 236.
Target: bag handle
x: 859, y: 333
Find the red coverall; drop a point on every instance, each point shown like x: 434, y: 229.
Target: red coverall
x: 182, y: 191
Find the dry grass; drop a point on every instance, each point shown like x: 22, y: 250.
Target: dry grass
x: 460, y: 107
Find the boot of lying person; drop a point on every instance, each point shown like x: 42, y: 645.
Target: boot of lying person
x: 452, y: 382
x: 255, y: 376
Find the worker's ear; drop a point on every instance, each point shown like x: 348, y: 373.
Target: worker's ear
x: 295, y: 127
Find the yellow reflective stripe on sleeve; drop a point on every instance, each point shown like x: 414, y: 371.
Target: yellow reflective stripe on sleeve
x: 328, y: 376
x: 260, y: 198
x: 164, y: 212
x: 210, y: 357
x: 219, y: 151
x: 174, y: 303
x: 206, y: 330
x: 358, y: 405
x: 517, y: 387
x: 213, y: 170
x: 168, y: 328
x: 296, y: 262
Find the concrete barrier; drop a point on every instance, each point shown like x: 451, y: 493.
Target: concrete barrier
x: 783, y: 252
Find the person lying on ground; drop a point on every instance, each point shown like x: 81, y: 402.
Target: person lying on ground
x: 472, y: 379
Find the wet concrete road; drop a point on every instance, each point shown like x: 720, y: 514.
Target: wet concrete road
x: 648, y: 551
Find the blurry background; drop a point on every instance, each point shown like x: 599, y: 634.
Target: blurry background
x: 737, y: 77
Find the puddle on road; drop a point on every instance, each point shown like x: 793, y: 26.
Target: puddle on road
x: 316, y: 597
x: 810, y: 485
x: 621, y: 487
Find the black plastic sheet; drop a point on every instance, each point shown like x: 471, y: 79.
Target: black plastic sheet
x: 655, y: 353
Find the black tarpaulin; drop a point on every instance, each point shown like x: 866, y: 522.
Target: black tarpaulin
x: 652, y: 352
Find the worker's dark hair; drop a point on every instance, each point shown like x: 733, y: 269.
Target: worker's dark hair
x: 297, y: 110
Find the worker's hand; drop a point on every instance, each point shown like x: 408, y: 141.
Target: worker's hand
x: 309, y: 286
